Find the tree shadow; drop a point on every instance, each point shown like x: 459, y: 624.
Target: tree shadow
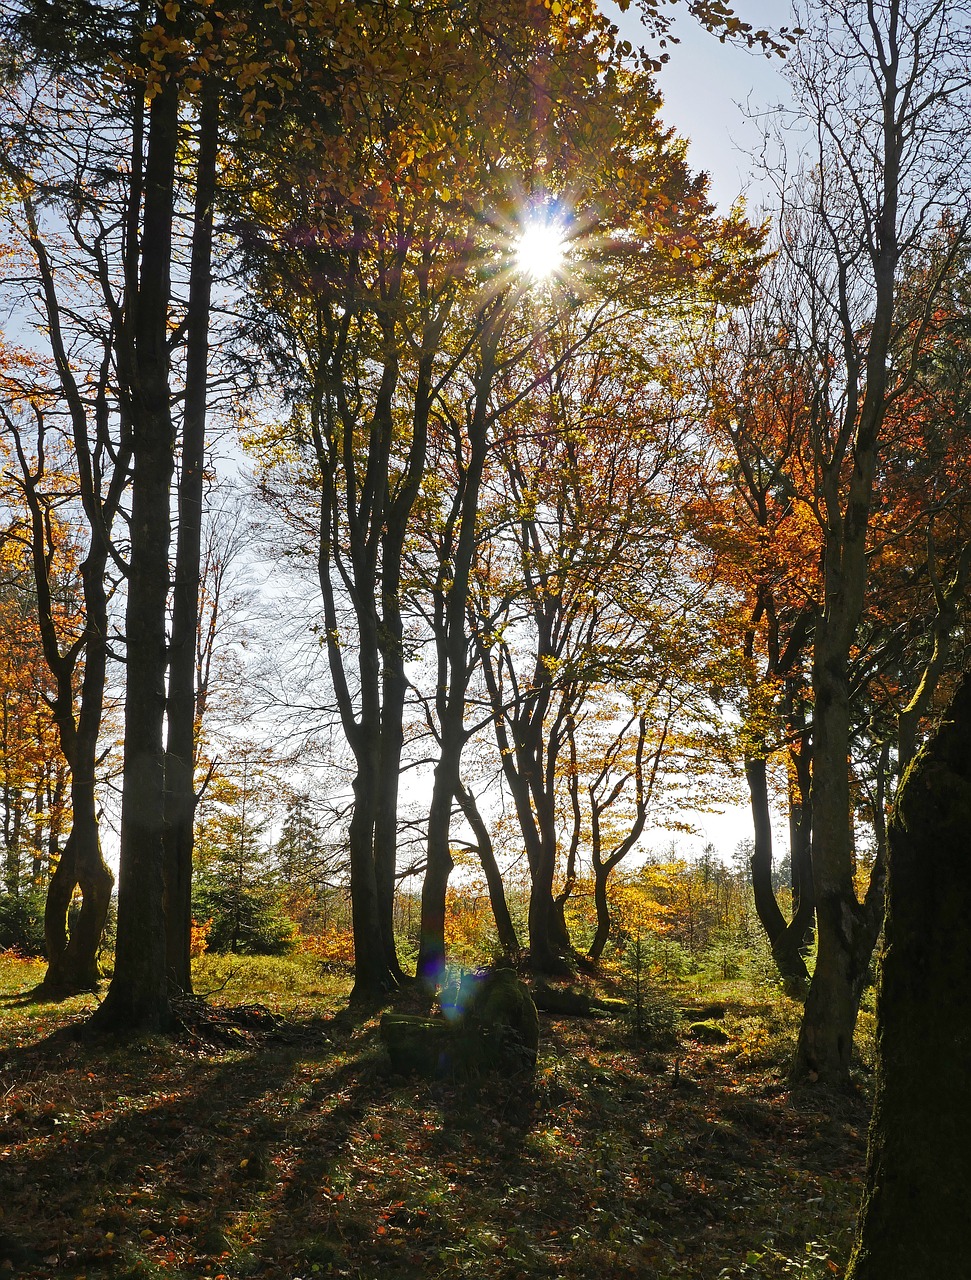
x: 279, y: 1159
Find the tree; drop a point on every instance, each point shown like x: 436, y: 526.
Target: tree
x: 33, y: 774
x: 756, y: 518
x: 885, y: 88
x: 385, y: 244
x: 161, y: 79
x: 98, y: 191
x: 911, y: 1220
x: 182, y: 710
x: 91, y: 473
x: 234, y: 887
x: 580, y: 608
x: 362, y: 280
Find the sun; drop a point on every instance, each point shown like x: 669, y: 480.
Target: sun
x: 540, y: 251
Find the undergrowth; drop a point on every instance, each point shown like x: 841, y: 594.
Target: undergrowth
x: 291, y: 1151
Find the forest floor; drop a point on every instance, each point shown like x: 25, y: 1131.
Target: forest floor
x: 275, y: 1142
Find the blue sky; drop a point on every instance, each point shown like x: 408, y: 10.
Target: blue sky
x: 707, y: 84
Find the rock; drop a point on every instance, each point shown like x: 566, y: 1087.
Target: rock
x: 492, y: 1026
x: 420, y: 1045
x: 500, y: 1029
x: 708, y: 1033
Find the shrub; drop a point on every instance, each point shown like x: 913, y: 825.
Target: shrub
x: 22, y: 922
x: 243, y: 919
x: 333, y: 947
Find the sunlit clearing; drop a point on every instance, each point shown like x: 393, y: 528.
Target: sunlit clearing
x: 540, y: 251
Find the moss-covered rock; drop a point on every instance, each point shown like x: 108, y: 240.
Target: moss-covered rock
x: 501, y: 1026
x: 421, y: 1046
x: 708, y: 1033
x: 492, y: 1025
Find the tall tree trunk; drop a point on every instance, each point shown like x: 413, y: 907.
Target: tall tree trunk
x: 847, y: 929
x: 786, y: 937
x: 431, y: 953
x: 601, y: 876
x: 138, y: 997
x: 505, y: 928
x: 548, y: 942
x: 373, y: 978
x: 73, y: 961
x: 800, y: 836
x: 180, y: 795
x: 453, y: 666
x: 76, y: 965
x: 913, y: 1221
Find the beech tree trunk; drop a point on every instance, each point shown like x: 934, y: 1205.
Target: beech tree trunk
x: 73, y: 957
x: 786, y: 937
x: 180, y: 795
x: 505, y: 928
x: 431, y: 953
x: 451, y: 640
x: 138, y: 998
x: 601, y: 875
x: 913, y: 1221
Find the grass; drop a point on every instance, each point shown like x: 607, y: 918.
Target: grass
x: 287, y: 1150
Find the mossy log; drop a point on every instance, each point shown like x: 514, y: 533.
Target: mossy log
x: 564, y: 1002
x: 913, y: 1221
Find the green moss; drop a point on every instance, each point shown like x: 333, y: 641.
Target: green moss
x: 708, y: 1033
x: 494, y: 1027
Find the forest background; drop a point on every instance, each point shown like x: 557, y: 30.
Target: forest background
x: 585, y: 503
x: 573, y: 499
x: 558, y: 489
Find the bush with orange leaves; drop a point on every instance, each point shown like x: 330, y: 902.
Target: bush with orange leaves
x: 199, y: 938
x: 333, y: 947
x: 470, y: 931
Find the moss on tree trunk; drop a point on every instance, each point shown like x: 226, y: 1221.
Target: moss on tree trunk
x: 913, y: 1221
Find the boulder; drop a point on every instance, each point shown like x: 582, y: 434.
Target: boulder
x: 420, y: 1046
x: 492, y: 1026
x: 500, y: 1028
x: 708, y: 1033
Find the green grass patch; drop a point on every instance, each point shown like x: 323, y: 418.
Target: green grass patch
x: 286, y: 985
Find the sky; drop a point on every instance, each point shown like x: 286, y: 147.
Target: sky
x: 708, y: 87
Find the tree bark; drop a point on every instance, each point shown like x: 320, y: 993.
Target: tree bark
x: 138, y: 997
x: 786, y: 937
x: 505, y: 928
x: 913, y: 1220
x: 180, y: 747
x: 453, y: 665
